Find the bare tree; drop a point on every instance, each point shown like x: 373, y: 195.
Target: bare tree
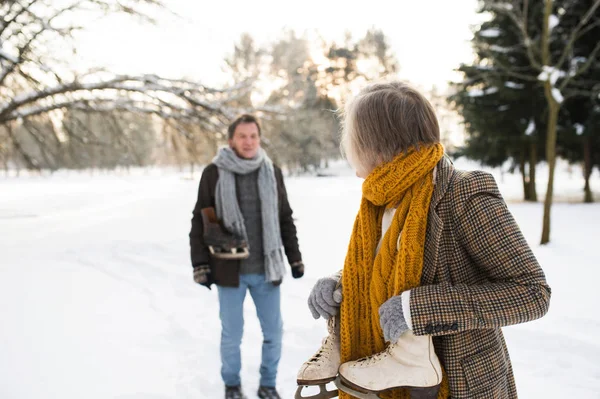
x: 34, y: 81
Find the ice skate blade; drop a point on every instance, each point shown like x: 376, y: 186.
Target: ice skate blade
x: 323, y: 392
x: 415, y: 392
x: 358, y: 394
x: 424, y: 393
x: 235, y: 253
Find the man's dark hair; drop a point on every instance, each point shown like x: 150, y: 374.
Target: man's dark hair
x: 246, y: 118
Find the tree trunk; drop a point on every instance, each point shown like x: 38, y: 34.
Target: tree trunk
x: 587, y: 169
x: 29, y: 160
x: 532, y: 165
x: 524, y: 178
x: 553, y: 108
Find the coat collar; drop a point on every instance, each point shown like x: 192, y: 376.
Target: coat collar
x: 444, y: 171
x: 435, y: 225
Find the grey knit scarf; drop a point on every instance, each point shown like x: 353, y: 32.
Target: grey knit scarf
x: 228, y: 209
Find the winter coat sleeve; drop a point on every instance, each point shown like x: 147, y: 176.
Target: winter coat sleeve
x: 511, y: 286
x: 286, y: 222
x: 206, y: 198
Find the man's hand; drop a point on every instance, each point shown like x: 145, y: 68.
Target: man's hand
x: 202, y: 275
x: 297, y: 269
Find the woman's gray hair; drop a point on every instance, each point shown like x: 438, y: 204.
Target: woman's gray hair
x: 382, y: 121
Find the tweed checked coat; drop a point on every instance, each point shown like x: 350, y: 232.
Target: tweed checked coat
x: 479, y: 274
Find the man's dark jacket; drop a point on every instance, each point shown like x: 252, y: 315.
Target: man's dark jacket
x: 227, y: 272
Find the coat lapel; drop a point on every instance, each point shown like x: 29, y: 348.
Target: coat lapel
x: 435, y: 225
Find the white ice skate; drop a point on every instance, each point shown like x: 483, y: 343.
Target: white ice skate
x: 410, y: 363
x: 322, y: 367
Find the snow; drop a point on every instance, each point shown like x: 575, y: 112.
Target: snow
x: 574, y: 65
x: 479, y: 92
x: 514, y: 85
x: 579, y: 128
x: 553, y: 22
x: 557, y: 95
x: 97, y: 298
x: 503, y: 6
x: 530, y: 128
x: 499, y: 49
x: 551, y: 74
x: 503, y: 107
x: 10, y: 57
x: 491, y: 32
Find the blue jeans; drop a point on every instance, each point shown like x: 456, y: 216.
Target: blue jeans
x: 266, y: 298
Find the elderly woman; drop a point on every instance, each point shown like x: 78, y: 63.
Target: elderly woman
x: 435, y: 267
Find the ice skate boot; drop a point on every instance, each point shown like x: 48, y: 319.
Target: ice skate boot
x: 409, y: 363
x: 221, y: 243
x: 322, y: 367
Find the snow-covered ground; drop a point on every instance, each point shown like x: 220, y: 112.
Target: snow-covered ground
x: 97, y: 299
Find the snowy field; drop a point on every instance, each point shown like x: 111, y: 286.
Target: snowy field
x: 97, y: 299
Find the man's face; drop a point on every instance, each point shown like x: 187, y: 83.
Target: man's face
x: 246, y: 140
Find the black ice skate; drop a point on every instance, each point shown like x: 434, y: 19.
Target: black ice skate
x: 221, y: 243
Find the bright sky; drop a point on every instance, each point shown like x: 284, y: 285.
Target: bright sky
x: 429, y: 37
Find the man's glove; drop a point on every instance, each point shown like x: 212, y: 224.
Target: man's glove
x: 297, y: 269
x: 202, y: 275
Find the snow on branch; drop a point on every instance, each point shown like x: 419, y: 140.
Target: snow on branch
x: 557, y: 95
x: 185, y: 99
x: 490, y: 33
x: 553, y: 22
x: 551, y: 74
x: 9, y: 57
x: 479, y: 92
x: 514, y: 85
x: 501, y: 6
x: 530, y: 128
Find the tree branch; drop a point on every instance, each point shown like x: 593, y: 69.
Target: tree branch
x: 575, y: 33
x: 590, y: 60
x: 46, y: 25
x: 29, y: 161
x: 24, y: 8
x: 520, y: 22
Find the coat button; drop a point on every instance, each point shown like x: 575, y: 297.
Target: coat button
x: 438, y: 328
x: 428, y: 329
x: 454, y: 327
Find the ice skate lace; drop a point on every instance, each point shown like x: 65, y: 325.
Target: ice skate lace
x: 326, y: 346
x: 368, y: 360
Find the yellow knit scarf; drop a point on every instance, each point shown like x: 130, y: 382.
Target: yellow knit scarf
x: 368, y: 281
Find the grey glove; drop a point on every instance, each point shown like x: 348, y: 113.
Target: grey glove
x: 391, y: 318
x: 324, y: 299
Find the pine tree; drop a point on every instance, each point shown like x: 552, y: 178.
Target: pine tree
x: 502, y: 113
x: 549, y: 33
